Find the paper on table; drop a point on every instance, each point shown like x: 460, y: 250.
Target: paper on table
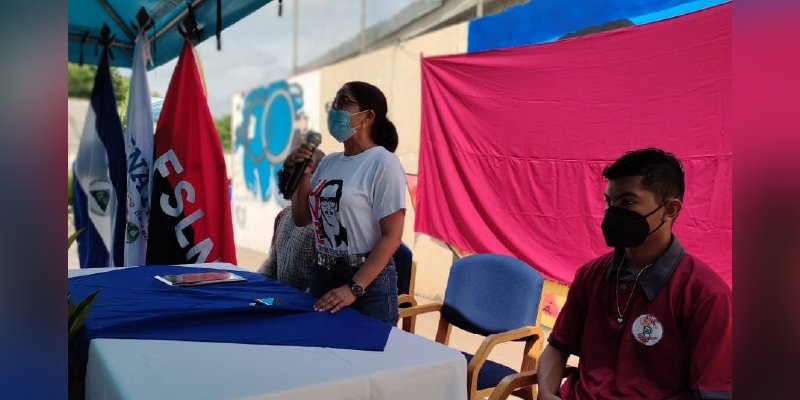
x: 200, y: 278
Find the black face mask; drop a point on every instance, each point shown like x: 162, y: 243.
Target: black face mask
x: 625, y: 228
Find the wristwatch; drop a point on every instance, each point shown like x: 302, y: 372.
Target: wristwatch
x: 356, y: 288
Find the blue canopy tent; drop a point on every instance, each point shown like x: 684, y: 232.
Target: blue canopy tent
x: 161, y: 18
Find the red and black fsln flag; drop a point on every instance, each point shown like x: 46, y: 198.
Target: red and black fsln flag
x: 190, y: 217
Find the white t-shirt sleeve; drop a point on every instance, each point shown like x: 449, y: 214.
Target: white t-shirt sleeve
x: 389, y: 190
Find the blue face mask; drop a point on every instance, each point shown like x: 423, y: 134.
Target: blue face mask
x: 339, y: 124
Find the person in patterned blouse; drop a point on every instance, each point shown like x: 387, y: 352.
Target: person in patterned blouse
x: 292, y: 253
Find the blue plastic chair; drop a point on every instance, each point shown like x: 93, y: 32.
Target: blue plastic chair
x: 406, y: 269
x: 406, y: 273
x: 495, y: 296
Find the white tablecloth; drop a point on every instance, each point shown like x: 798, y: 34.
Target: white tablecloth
x: 411, y: 367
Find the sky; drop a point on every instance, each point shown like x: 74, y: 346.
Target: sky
x: 258, y: 49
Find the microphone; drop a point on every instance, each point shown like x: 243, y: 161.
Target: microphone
x: 312, y: 139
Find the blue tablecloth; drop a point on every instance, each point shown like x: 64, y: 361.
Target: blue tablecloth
x: 133, y: 304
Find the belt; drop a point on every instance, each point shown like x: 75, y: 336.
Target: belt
x: 351, y: 260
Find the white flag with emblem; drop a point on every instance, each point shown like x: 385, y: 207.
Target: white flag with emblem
x: 139, y: 152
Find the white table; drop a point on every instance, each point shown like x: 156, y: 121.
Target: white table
x: 411, y: 367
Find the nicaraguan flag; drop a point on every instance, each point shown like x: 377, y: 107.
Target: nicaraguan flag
x: 139, y: 151
x: 99, y: 178
x: 190, y: 220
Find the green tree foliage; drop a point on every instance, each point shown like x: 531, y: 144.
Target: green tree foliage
x: 223, y: 124
x: 80, y: 81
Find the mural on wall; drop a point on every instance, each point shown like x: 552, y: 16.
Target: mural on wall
x: 272, y: 120
x: 267, y: 123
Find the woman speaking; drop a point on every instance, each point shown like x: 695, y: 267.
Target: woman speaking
x: 356, y: 201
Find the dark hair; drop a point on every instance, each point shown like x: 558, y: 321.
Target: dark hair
x: 661, y: 172
x: 370, y: 97
x: 286, y: 172
x: 283, y: 178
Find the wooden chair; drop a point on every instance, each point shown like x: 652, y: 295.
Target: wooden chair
x: 516, y: 382
x: 495, y: 296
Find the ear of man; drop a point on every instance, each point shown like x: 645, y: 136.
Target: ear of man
x: 672, y: 208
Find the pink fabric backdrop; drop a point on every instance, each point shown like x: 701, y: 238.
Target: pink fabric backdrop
x: 513, y: 141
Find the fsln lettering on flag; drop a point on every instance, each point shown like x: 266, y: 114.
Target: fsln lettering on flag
x: 139, y: 153
x: 190, y: 216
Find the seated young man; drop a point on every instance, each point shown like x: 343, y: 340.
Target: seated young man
x: 647, y: 320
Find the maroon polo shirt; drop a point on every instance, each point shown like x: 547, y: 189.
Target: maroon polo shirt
x: 675, y: 338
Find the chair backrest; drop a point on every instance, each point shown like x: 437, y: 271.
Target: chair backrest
x: 491, y: 293
x: 402, y: 262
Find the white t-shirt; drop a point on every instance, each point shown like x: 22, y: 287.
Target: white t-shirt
x: 350, y: 195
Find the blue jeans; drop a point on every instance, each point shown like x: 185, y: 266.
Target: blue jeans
x: 380, y: 298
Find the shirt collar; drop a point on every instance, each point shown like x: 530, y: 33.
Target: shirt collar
x: 657, y: 274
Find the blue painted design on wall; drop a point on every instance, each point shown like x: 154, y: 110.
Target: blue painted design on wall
x: 541, y: 21
x: 272, y: 114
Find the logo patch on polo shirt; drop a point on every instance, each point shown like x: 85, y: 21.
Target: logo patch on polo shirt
x: 647, y: 329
